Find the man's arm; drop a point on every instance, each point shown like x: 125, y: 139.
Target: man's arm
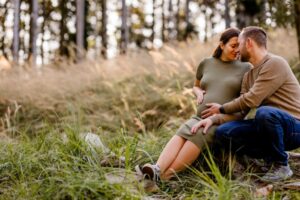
x: 223, y: 118
x: 270, y: 79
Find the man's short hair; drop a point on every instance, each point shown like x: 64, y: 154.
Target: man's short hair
x: 257, y: 34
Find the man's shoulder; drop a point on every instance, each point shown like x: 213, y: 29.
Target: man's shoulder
x: 276, y: 59
x: 245, y: 65
x: 275, y: 65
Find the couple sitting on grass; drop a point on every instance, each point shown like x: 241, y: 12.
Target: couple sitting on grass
x: 226, y: 89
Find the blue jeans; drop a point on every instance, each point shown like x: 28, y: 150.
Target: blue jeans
x: 267, y: 136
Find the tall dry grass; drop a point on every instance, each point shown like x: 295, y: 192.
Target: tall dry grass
x: 111, y: 93
x: 118, y: 92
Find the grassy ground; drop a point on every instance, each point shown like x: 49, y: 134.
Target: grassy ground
x: 134, y: 103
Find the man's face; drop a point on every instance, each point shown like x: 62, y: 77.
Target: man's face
x: 244, y: 54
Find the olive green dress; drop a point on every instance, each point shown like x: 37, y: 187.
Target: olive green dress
x: 222, y: 83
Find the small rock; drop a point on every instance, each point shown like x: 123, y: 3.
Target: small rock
x: 286, y: 197
x: 94, y: 141
x: 123, y: 176
x: 114, y: 178
x: 150, y: 186
x: 264, y: 191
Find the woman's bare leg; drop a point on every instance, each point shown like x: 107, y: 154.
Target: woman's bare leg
x: 187, y: 155
x: 170, y: 152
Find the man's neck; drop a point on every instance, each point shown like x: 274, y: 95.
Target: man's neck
x: 257, y: 56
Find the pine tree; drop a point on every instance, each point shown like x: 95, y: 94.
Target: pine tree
x: 16, y: 30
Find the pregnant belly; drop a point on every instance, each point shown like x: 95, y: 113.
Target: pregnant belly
x: 200, y: 108
x: 211, y: 99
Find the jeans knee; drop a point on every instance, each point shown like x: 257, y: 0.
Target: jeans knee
x: 220, y: 132
x: 264, y: 113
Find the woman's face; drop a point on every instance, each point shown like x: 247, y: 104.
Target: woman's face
x: 230, y: 49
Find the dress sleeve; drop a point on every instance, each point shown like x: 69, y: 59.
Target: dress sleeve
x: 199, y: 73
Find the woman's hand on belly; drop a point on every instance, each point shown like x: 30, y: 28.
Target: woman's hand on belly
x: 205, y: 123
x: 200, y: 99
x: 199, y: 94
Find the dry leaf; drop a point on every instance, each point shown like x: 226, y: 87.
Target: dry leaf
x: 188, y: 91
x: 4, y: 64
x: 293, y: 186
x: 140, y: 125
x: 149, y: 112
x: 294, y: 155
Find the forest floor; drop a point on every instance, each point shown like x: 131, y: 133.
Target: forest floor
x: 134, y: 103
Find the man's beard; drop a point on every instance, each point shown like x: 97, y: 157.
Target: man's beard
x: 244, y: 56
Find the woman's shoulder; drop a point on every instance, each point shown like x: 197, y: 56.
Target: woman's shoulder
x: 203, y: 62
x: 207, y: 60
x: 244, y: 65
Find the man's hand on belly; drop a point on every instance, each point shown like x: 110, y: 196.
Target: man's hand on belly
x: 212, y: 108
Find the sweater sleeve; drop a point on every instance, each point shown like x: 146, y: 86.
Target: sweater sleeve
x: 270, y: 78
x: 223, y: 118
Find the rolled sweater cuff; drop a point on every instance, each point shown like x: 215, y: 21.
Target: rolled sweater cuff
x: 215, y: 119
x: 231, y: 107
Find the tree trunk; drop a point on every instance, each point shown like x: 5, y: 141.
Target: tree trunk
x: 80, y: 24
x: 170, y: 20
x: 3, y: 19
x: 63, y: 29
x: 240, y: 17
x: 103, y: 28
x: 187, y: 19
x: 153, y: 23
x: 207, y: 17
x: 16, y: 30
x: 226, y: 14
x: 87, y: 26
x: 43, y: 30
x: 124, y: 28
x: 163, y: 27
x: 178, y: 20
x: 34, y: 9
x: 297, y: 22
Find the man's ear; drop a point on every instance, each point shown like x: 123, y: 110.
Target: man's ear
x: 249, y: 42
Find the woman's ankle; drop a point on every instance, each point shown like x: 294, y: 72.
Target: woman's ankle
x: 167, y: 175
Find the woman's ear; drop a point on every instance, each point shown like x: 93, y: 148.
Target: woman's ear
x: 221, y: 45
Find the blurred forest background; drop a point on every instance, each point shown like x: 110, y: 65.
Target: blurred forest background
x: 123, y: 70
x: 43, y: 31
